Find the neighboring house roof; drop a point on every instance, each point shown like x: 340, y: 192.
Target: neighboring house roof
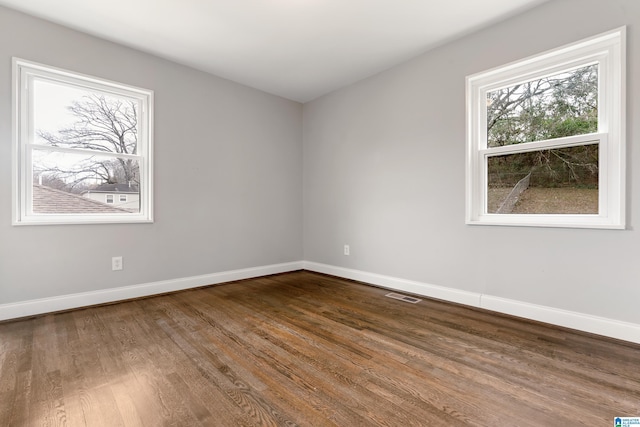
x: 115, y: 188
x: 52, y: 201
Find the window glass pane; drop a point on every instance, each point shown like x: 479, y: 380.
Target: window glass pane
x: 553, y: 181
x: 71, y: 117
x: 79, y: 183
x: 560, y: 105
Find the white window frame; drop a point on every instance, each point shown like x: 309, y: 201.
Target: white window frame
x: 109, y: 199
x: 122, y: 198
x: 24, y: 74
x: 608, y: 51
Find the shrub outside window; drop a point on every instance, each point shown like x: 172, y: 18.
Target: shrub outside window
x: 75, y: 134
x: 545, y: 138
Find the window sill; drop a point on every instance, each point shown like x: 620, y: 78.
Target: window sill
x: 550, y: 221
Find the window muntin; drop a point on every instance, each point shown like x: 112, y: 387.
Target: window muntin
x: 497, y: 135
x: 75, y: 133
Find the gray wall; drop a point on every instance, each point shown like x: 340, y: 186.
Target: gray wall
x: 384, y: 170
x: 228, y: 176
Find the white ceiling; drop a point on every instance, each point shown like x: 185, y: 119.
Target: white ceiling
x: 298, y: 49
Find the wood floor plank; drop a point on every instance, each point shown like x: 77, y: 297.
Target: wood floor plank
x: 311, y: 350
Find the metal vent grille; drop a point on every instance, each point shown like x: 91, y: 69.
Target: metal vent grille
x: 405, y: 298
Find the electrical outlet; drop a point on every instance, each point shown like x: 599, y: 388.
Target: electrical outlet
x: 116, y: 263
x: 347, y: 251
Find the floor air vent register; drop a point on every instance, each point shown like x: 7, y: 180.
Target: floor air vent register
x: 405, y: 298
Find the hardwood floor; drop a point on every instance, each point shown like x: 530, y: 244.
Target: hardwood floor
x: 310, y: 350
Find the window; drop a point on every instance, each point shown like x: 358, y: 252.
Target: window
x: 75, y: 135
x: 123, y: 198
x: 545, y: 138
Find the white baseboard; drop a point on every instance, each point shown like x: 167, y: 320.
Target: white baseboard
x: 583, y: 322
x: 84, y: 299
x: 570, y: 319
x: 388, y: 282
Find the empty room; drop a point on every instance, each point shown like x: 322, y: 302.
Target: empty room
x: 319, y: 213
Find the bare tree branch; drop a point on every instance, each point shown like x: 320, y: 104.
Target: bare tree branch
x: 103, y: 124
